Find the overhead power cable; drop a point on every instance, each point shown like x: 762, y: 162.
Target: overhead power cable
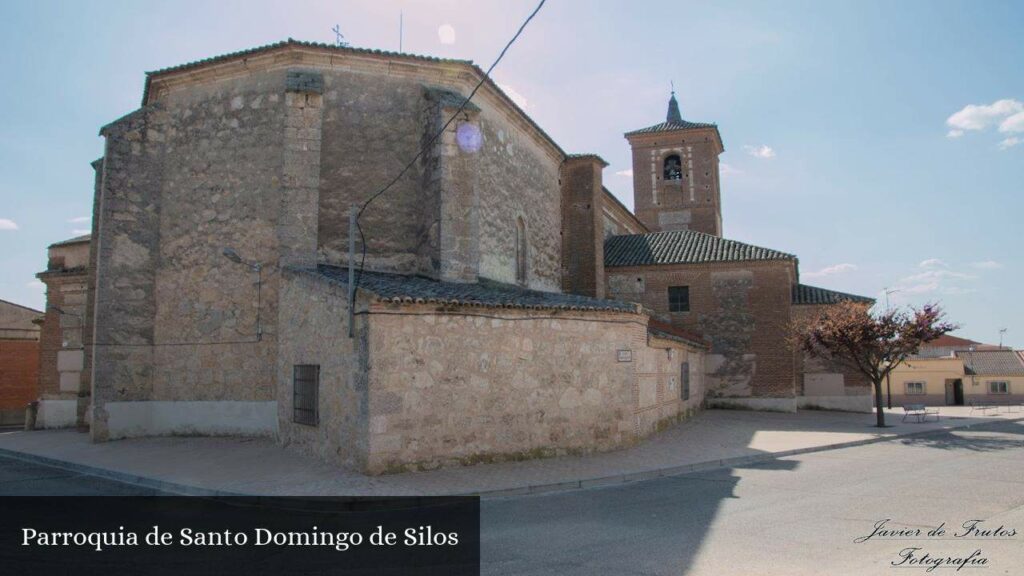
x: 430, y: 142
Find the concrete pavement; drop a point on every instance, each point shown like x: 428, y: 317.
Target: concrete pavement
x: 712, y: 439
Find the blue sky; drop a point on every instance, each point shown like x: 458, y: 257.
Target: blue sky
x: 882, y: 142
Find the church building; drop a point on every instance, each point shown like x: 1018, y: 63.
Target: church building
x: 507, y: 306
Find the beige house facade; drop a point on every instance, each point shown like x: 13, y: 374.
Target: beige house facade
x: 964, y: 378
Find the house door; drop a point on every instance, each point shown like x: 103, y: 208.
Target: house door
x: 955, y: 392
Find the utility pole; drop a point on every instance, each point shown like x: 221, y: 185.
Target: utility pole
x: 400, y: 31
x: 339, y: 38
x: 887, y: 292
x: 353, y: 212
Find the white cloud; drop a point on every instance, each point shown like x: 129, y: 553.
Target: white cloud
x: 987, y: 265
x: 931, y: 281
x: 6, y: 224
x: 627, y: 173
x: 446, y: 34
x: 516, y: 97
x: 954, y: 133
x: 932, y: 263
x: 762, y: 151
x: 981, y: 116
x: 831, y: 270
x: 728, y: 169
x: 1014, y: 123
x: 1009, y: 142
x: 80, y: 219
x: 81, y: 231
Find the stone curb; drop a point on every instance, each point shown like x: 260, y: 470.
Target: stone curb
x: 583, y: 483
x: 124, y: 477
x: 707, y: 466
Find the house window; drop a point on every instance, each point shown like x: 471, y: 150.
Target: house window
x: 673, y: 168
x: 998, y: 387
x: 915, y: 388
x: 306, y: 394
x: 679, y: 299
x: 521, y: 248
x: 684, y: 377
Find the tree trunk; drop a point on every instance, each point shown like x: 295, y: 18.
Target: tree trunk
x: 879, y: 411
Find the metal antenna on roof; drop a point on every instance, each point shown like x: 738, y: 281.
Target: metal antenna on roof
x: 672, y: 83
x: 339, y: 38
x: 400, y: 30
x: 1002, y: 332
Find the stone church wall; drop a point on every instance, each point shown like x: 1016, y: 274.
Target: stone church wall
x: 375, y: 124
x: 183, y: 178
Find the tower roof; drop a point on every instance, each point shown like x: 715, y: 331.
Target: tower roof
x: 673, y: 121
x: 673, y: 116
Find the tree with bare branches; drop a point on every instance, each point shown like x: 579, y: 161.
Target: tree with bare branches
x: 849, y: 335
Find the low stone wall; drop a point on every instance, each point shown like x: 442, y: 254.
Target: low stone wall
x: 314, y: 330
x: 191, y: 418
x: 457, y: 387
x: 57, y: 414
x: 845, y: 403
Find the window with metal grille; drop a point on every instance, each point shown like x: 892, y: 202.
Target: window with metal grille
x: 678, y: 298
x: 684, y: 378
x: 306, y: 394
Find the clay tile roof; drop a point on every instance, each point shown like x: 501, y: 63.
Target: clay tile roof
x: 403, y: 289
x: 76, y: 240
x: 991, y: 362
x: 670, y: 126
x: 666, y: 330
x: 682, y: 247
x: 804, y: 294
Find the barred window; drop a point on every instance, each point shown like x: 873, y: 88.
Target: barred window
x: 306, y: 394
x: 678, y: 298
x: 684, y: 377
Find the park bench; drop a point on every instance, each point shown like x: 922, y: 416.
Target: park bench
x: 920, y: 412
x: 980, y: 405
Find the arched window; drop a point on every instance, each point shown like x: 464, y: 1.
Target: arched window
x: 521, y: 249
x: 673, y: 168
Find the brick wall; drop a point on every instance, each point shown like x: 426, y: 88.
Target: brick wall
x: 692, y: 203
x: 19, y: 377
x: 741, y: 308
x: 582, y: 226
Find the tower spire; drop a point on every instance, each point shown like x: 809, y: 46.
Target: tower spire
x: 673, y: 116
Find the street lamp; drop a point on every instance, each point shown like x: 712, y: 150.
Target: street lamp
x: 232, y: 254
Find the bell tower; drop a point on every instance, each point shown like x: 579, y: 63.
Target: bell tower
x: 676, y: 184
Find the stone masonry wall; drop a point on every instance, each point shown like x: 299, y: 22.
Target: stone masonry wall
x: 375, y: 124
x: 742, y: 309
x: 183, y: 178
x: 449, y: 388
x: 659, y: 401
x: 314, y: 330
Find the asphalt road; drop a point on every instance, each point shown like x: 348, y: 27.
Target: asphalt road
x: 792, y: 516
